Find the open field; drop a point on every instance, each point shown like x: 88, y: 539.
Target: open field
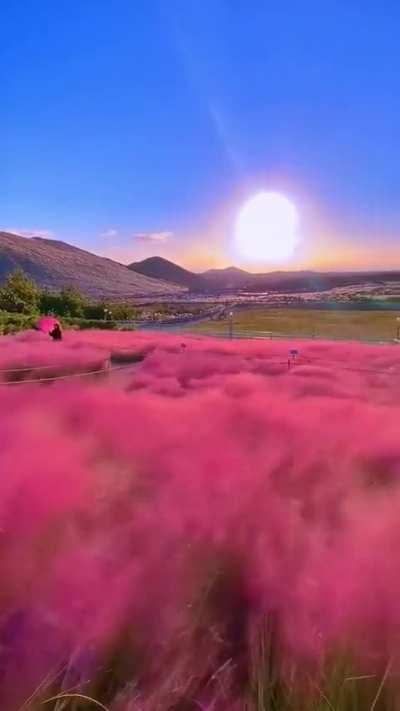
x: 330, y: 323
x: 188, y: 523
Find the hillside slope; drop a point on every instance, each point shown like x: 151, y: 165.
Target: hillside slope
x: 160, y: 268
x: 56, y: 264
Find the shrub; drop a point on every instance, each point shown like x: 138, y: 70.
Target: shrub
x: 14, y: 322
x: 121, y: 311
x: 19, y: 293
x: 82, y: 323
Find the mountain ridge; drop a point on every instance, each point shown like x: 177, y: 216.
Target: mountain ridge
x: 55, y: 264
x: 161, y: 268
x: 231, y: 278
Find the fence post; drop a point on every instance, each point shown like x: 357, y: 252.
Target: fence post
x: 231, y: 324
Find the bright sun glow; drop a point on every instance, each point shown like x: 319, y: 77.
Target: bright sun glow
x: 266, y: 228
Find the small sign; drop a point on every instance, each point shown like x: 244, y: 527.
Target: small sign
x: 293, y: 353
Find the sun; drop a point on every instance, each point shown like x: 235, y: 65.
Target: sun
x: 267, y: 228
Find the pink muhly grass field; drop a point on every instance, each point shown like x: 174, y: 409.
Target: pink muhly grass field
x: 204, y: 528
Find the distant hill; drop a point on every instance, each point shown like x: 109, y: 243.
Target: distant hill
x: 232, y: 278
x: 160, y: 268
x: 296, y: 281
x: 227, y: 278
x: 56, y: 264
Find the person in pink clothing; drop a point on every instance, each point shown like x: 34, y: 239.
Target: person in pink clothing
x: 51, y: 326
x: 56, y: 333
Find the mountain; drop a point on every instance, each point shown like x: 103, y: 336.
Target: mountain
x: 160, y: 268
x: 228, y: 271
x: 56, y: 264
x: 297, y: 281
x: 227, y: 278
x: 232, y: 278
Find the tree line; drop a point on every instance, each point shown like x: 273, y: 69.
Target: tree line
x: 20, y: 294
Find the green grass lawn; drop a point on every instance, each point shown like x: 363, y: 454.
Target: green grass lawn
x: 357, y: 325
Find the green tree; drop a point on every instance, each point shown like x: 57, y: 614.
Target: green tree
x: 72, y: 302
x: 120, y: 311
x: 94, y: 311
x: 19, y: 293
x: 67, y: 302
x: 50, y: 302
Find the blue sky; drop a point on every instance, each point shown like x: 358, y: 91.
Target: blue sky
x: 136, y: 127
